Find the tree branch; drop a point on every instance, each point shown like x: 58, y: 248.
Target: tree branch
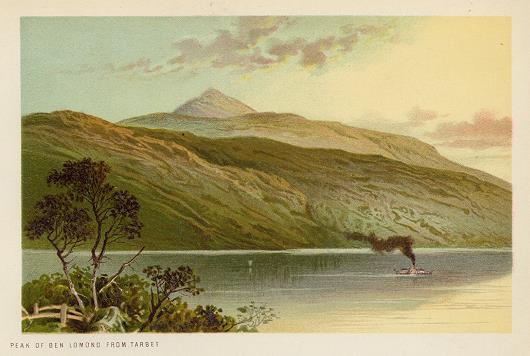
x: 123, y: 266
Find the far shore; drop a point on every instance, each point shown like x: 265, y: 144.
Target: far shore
x: 305, y: 251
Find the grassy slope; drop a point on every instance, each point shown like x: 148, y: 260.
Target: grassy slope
x: 203, y: 193
x: 298, y: 131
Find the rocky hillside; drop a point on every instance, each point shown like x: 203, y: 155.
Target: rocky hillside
x: 256, y: 193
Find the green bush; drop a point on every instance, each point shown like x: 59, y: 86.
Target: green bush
x: 46, y: 290
x: 127, y: 292
x: 178, y: 317
x: 125, y: 306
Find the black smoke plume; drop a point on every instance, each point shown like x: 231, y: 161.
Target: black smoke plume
x: 402, y: 243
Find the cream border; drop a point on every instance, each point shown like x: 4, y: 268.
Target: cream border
x: 308, y: 344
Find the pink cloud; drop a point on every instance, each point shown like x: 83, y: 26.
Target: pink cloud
x: 229, y: 48
x: 418, y: 116
x: 241, y: 48
x: 287, y: 48
x: 486, y: 130
x: 251, y: 44
x: 313, y: 52
x: 141, y: 64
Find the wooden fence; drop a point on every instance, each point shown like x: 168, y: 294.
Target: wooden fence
x: 61, y: 312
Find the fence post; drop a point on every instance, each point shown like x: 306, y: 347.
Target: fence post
x: 36, y: 308
x: 64, y: 310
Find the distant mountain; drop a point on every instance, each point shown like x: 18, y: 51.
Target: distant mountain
x: 213, y: 103
x: 299, y: 131
x: 256, y: 193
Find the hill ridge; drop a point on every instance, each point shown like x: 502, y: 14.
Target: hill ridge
x: 300, y: 131
x: 256, y: 193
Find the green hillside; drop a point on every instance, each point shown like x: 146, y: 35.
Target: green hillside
x: 256, y: 193
x: 299, y: 131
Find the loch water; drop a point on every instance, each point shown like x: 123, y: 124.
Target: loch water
x: 334, y: 290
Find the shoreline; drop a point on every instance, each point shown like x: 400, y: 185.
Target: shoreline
x: 308, y: 251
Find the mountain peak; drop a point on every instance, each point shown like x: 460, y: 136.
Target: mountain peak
x: 212, y: 91
x: 213, y: 103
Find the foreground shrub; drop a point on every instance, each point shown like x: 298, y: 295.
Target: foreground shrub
x: 178, y: 317
x: 132, y: 303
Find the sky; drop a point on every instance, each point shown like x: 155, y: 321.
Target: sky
x: 444, y: 80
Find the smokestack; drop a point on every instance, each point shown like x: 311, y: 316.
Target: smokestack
x: 402, y: 243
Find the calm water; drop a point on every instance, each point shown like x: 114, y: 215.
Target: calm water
x: 323, y: 290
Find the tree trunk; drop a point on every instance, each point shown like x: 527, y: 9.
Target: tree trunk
x: 96, y: 260
x: 72, y: 289
x: 152, y: 315
x: 149, y: 319
x: 68, y: 279
x: 94, y: 287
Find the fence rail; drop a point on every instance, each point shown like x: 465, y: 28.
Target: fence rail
x: 61, y: 312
